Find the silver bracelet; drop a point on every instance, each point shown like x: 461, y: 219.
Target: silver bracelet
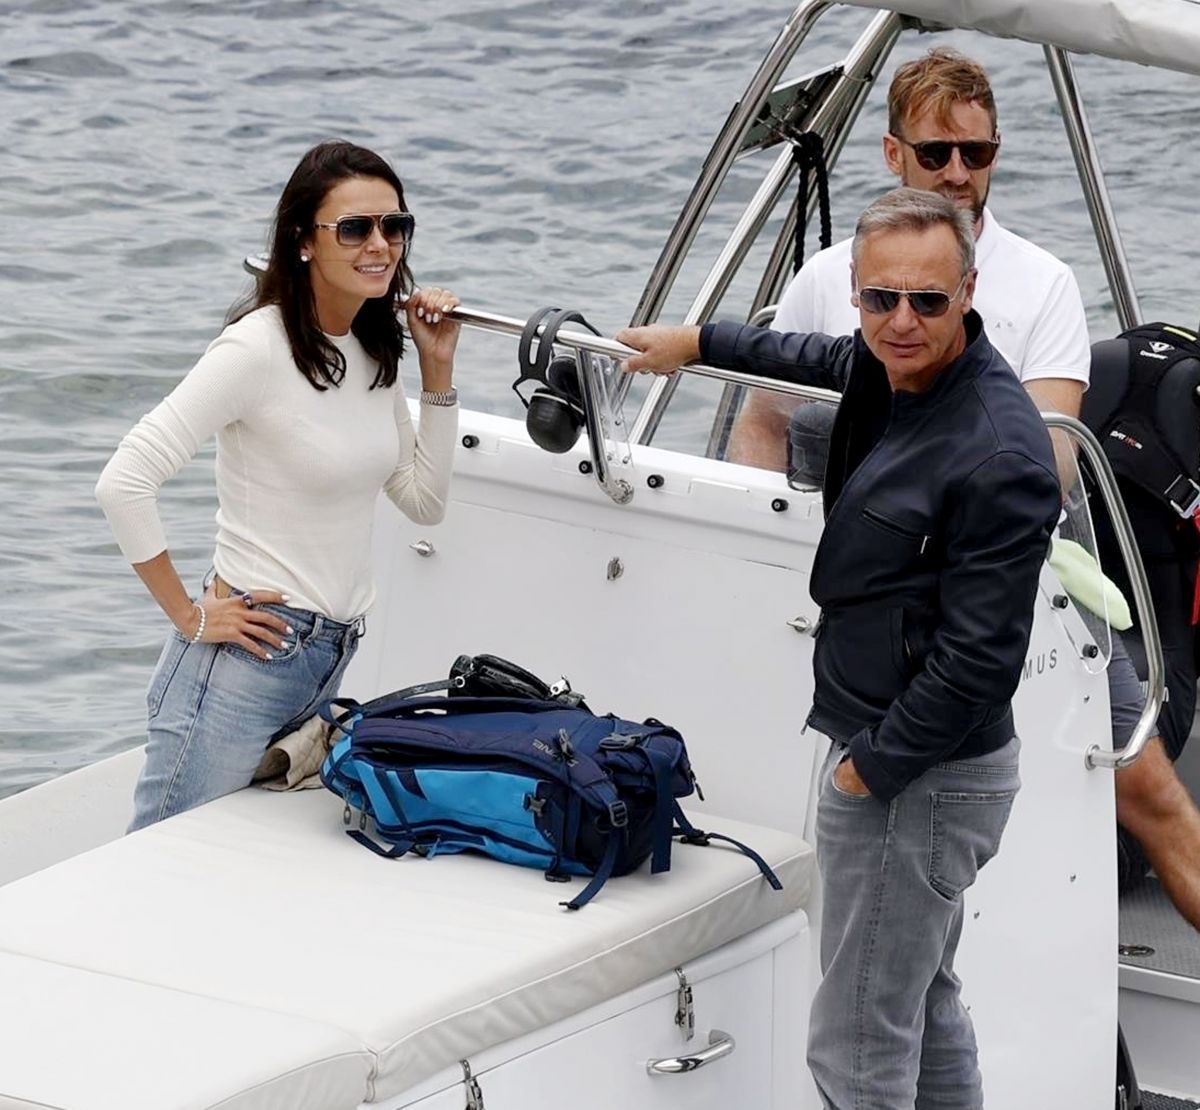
x: 200, y: 627
x: 443, y: 397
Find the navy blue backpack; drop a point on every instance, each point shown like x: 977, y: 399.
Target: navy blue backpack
x: 537, y: 781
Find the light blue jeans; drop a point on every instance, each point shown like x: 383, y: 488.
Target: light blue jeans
x: 889, y: 1030
x: 214, y: 708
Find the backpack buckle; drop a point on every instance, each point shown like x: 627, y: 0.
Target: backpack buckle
x: 1182, y: 484
x: 619, y: 742
x: 618, y: 814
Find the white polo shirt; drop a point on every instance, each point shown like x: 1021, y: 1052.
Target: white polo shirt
x: 1029, y: 300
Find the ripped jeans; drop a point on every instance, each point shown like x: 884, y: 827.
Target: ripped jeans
x: 214, y: 708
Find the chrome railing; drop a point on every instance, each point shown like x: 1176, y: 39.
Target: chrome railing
x: 832, y: 118
x: 1095, y: 192
x: 1095, y: 756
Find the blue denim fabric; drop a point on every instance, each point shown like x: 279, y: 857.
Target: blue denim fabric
x: 889, y: 1030
x: 214, y: 708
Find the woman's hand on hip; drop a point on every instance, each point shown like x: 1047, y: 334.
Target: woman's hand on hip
x: 233, y: 620
x: 434, y: 336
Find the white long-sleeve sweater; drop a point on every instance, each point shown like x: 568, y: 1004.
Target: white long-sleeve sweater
x: 298, y: 470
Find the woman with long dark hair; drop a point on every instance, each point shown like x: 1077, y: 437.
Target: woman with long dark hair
x: 302, y: 391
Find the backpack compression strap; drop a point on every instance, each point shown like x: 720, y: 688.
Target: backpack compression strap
x: 692, y: 835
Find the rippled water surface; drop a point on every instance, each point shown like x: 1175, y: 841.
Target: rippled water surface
x: 546, y: 148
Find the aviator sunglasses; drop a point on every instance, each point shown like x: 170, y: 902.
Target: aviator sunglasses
x: 976, y: 154
x: 353, y: 231
x: 879, y: 301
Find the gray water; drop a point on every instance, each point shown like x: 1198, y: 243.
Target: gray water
x: 546, y: 148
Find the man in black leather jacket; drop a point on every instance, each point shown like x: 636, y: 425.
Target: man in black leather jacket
x: 940, y: 496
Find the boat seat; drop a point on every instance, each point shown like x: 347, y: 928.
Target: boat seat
x: 255, y: 937
x: 75, y: 1039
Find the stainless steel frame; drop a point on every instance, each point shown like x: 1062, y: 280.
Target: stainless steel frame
x: 832, y: 119
x: 1155, y: 693
x: 1095, y: 191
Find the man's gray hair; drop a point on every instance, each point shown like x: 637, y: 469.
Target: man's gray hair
x: 907, y: 209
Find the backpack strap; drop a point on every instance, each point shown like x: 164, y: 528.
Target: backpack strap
x: 661, y: 766
x: 1134, y: 440
x: 400, y: 848
x: 603, y: 872
x: 693, y: 835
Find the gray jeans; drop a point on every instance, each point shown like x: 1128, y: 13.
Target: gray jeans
x: 889, y: 1030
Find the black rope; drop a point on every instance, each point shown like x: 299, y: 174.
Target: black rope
x: 808, y: 152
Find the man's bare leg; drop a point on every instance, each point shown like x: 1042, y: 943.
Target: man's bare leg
x: 760, y: 431
x: 1156, y: 808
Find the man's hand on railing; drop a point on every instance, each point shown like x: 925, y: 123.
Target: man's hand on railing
x: 664, y: 348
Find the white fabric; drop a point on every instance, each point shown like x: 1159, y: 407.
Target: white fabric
x: 1162, y: 33
x: 1029, y: 300
x: 75, y: 1040
x: 298, y: 470
x: 259, y: 900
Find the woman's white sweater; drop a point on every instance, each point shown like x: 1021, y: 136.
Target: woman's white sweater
x: 298, y: 469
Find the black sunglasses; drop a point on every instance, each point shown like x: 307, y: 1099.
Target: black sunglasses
x: 977, y: 154
x: 879, y: 300
x: 353, y: 231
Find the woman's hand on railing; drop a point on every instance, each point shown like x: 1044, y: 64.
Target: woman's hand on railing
x: 434, y: 334
x: 664, y: 348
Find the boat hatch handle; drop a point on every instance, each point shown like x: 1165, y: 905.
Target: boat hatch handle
x: 474, y: 1092
x: 1144, y: 607
x: 685, y: 1011
x: 720, y: 1045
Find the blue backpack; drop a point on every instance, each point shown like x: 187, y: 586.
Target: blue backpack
x: 540, y: 782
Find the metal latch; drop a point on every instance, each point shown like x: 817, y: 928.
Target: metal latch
x: 685, y: 1013
x: 474, y: 1094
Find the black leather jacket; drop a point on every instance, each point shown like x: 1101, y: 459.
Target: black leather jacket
x: 939, y: 507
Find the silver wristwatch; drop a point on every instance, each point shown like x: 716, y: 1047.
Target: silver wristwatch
x: 443, y: 397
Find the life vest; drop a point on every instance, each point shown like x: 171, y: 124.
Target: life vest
x: 1143, y: 405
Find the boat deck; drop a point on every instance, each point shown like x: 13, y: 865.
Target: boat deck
x: 1149, y: 921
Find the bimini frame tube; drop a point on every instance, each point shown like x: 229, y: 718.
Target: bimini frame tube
x: 721, y: 157
x: 833, y: 119
x: 1095, y: 192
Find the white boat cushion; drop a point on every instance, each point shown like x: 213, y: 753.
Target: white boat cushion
x: 261, y: 901
x: 77, y: 1040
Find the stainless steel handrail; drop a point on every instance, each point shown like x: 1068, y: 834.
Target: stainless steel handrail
x: 1095, y: 192
x: 601, y: 345
x: 616, y: 487
x: 1095, y: 756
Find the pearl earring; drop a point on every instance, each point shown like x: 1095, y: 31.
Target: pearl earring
x: 304, y: 258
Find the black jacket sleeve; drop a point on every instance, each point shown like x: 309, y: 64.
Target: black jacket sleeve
x: 807, y: 359
x: 996, y: 542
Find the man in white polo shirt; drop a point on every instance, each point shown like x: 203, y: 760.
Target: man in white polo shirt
x: 942, y: 137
